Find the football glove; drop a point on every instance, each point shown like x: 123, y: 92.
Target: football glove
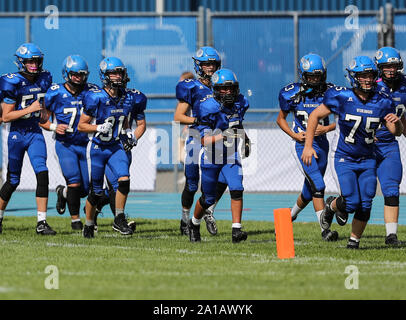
x: 104, y: 128
x: 128, y: 139
x: 246, y: 148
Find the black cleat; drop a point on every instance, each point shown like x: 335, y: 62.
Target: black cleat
x: 132, y: 225
x: 61, y: 201
x: 194, y: 232
x: 44, y: 229
x: 184, y: 229
x: 329, y: 235
x: 352, y: 244
x: 120, y: 224
x: 392, y: 240
x: 77, y: 225
x: 327, y: 215
x: 88, y: 231
x: 1, y: 225
x: 237, y: 235
x: 210, y: 223
x: 341, y: 218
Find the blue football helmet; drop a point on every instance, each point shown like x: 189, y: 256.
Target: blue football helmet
x: 389, y: 56
x: 113, y: 64
x: 28, y: 51
x: 359, y: 65
x: 75, y: 64
x: 312, y: 64
x: 206, y: 55
x: 225, y: 78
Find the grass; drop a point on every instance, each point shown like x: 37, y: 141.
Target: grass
x: 157, y: 263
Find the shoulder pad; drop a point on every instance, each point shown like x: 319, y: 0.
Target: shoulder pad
x: 209, y: 106
x: 290, y: 90
x: 11, y: 78
x: 187, y: 83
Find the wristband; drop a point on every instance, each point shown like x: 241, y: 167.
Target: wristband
x: 52, y: 127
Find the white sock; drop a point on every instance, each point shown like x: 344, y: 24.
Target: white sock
x: 295, y: 210
x: 1, y: 214
x: 391, y: 227
x: 354, y: 239
x: 236, y: 225
x: 41, y: 216
x: 318, y: 213
x: 89, y: 223
x: 196, y: 222
x: 185, y: 215
x: 65, y: 192
x: 75, y: 220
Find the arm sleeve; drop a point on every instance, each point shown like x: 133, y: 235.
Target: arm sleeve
x: 9, y: 91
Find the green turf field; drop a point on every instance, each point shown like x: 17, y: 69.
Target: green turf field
x: 157, y: 263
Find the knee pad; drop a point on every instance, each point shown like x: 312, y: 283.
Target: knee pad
x: 236, y: 194
x: 93, y: 198
x: 187, y: 197
x: 7, y: 190
x: 362, y: 215
x: 318, y: 194
x: 73, y: 200
x: 42, y: 184
x: 124, y: 186
x: 340, y: 204
x: 203, y: 203
x: 392, y: 201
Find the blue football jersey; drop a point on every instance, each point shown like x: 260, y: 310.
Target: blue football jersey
x: 399, y: 99
x: 214, y: 116
x: 139, y: 106
x: 67, y: 109
x: 99, y: 105
x: 357, y: 121
x: 193, y: 92
x: 301, y: 109
x: 16, y: 89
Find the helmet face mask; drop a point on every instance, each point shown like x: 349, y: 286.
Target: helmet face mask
x: 226, y: 94
x: 75, y: 71
x: 363, y: 83
x: 82, y: 75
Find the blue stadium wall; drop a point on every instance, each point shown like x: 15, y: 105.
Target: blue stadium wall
x: 193, y: 5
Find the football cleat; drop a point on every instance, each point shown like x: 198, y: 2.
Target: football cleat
x: 194, y: 232
x: 1, y: 225
x: 184, y: 229
x: 327, y: 215
x: 88, y: 231
x: 77, y: 225
x: 61, y: 201
x: 329, y: 235
x: 392, y: 240
x: 44, y: 229
x: 237, y: 235
x: 210, y: 223
x: 132, y: 225
x: 352, y: 244
x: 120, y: 224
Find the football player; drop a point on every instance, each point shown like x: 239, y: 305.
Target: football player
x: 389, y: 164
x: 360, y: 110
x: 109, y: 108
x: 190, y: 93
x: 22, y: 93
x: 221, y: 128
x: 301, y: 99
x: 64, y: 102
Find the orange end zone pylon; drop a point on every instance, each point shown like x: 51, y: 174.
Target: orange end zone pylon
x: 284, y: 233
